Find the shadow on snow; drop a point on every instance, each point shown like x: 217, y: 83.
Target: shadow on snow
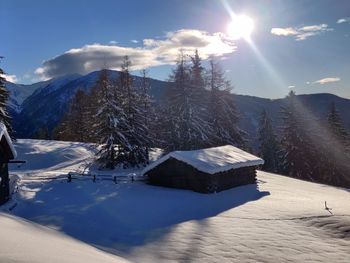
x: 123, y: 216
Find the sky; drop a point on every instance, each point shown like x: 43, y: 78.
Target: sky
x: 301, y: 45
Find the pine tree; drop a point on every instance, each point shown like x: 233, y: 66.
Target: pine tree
x: 110, y: 123
x: 223, y: 114
x: 336, y: 164
x: 4, y: 96
x: 75, y: 124
x: 298, y: 154
x: 178, y: 108
x: 186, y: 112
x: 199, y: 101
x: 337, y: 128
x: 136, y: 102
x: 269, y: 148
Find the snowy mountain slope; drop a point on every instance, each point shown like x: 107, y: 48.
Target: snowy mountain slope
x: 46, y: 106
x: 279, y: 219
x: 19, y: 92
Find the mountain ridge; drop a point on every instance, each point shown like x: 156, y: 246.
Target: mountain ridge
x: 46, y: 105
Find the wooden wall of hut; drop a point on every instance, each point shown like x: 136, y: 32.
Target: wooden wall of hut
x: 4, y: 183
x: 177, y: 174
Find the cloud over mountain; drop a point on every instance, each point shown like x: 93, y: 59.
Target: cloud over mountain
x: 327, y: 80
x: 153, y: 52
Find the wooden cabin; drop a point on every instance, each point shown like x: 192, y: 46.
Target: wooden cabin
x: 7, y: 153
x: 206, y: 170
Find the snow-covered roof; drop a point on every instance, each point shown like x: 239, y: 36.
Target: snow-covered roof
x: 4, y: 133
x: 211, y: 160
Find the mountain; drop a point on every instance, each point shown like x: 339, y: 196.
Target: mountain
x: 43, y: 104
x: 19, y: 92
x: 47, y: 105
x: 251, y: 107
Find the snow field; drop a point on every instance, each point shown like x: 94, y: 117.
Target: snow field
x: 278, y: 220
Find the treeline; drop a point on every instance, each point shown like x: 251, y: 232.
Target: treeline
x: 309, y: 148
x: 118, y: 113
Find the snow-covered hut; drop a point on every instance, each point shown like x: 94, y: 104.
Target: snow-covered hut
x: 7, y: 153
x: 206, y: 170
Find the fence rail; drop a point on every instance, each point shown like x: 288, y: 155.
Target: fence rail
x: 101, y: 177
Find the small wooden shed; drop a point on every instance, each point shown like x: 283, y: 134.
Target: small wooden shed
x: 7, y: 153
x: 206, y: 170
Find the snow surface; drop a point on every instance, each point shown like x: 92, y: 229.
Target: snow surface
x: 212, y: 160
x: 279, y: 219
x: 3, y: 132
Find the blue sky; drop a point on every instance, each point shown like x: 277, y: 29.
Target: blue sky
x: 300, y: 45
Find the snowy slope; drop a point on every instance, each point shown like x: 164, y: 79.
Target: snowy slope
x: 25, y: 241
x: 19, y: 92
x: 278, y: 220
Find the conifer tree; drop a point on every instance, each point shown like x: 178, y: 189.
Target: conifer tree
x: 186, y: 112
x: 110, y: 123
x: 269, y: 148
x: 298, y: 155
x: 4, y: 96
x: 223, y: 114
x: 336, y: 162
x: 75, y: 124
x: 337, y: 128
x: 135, y: 101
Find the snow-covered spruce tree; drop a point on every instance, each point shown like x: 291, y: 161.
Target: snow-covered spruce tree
x: 134, y: 102
x: 269, y: 148
x: 337, y: 128
x: 298, y: 153
x: 4, y: 95
x: 75, y: 125
x: 185, y: 107
x: 199, y: 100
x: 223, y: 114
x: 336, y: 168
x: 147, y: 113
x: 110, y: 123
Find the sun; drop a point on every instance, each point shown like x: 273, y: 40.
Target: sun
x: 241, y: 26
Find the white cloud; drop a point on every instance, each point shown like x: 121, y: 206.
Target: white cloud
x: 288, y: 31
x: 343, y: 20
x: 134, y: 41
x: 153, y: 52
x: 10, y: 78
x: 326, y: 80
x: 301, y: 33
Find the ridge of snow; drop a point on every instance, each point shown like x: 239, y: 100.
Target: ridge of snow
x: 211, y: 160
x: 3, y: 132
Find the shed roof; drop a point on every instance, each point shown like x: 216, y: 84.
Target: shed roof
x: 212, y: 160
x: 4, y: 135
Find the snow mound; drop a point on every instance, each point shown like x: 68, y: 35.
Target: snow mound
x: 212, y: 160
x: 25, y: 241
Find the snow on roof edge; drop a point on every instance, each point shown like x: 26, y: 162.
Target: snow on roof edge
x: 175, y: 155
x: 3, y: 132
